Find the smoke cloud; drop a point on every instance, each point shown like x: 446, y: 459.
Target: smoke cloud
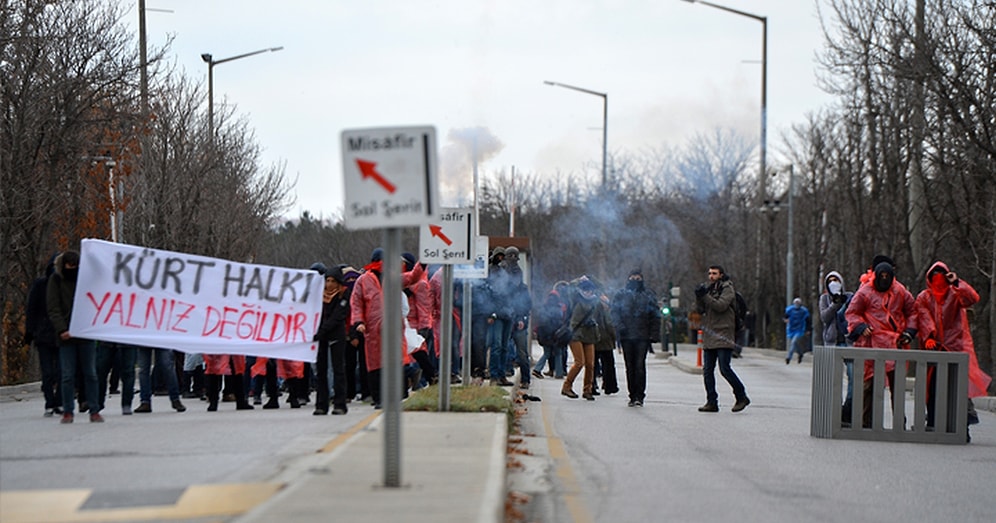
x: 456, y: 162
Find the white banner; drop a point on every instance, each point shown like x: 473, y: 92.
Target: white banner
x: 170, y: 300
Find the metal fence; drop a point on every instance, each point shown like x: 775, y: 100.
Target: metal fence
x: 950, y: 374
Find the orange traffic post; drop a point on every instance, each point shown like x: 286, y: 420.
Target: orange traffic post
x: 698, y: 357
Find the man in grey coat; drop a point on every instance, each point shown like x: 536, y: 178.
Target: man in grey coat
x: 715, y: 302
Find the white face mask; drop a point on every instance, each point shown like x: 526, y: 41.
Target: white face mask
x: 834, y: 287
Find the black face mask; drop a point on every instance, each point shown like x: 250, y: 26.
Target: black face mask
x: 70, y: 274
x: 883, y: 280
x: 634, y: 285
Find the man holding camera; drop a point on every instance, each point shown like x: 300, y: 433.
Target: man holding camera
x: 714, y: 301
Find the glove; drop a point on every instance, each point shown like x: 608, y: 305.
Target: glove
x: 701, y: 290
x: 837, y: 299
x: 904, y: 339
x: 857, y: 332
x: 930, y: 344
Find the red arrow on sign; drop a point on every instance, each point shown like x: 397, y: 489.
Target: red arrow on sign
x: 437, y: 231
x: 369, y: 170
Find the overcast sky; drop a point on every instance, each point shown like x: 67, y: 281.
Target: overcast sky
x: 671, y: 69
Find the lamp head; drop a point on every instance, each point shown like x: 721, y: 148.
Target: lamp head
x: 206, y: 57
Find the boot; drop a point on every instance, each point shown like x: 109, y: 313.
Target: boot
x: 213, y: 386
x: 238, y: 383
x: 294, y: 392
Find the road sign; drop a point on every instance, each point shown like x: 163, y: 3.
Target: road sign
x: 479, y: 269
x: 390, y: 177
x: 448, y: 239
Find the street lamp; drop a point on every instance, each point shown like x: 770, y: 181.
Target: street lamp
x: 605, y: 121
x: 762, y: 182
x: 762, y: 177
x: 211, y: 63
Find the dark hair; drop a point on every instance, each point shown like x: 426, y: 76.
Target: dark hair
x: 718, y: 268
x: 70, y: 257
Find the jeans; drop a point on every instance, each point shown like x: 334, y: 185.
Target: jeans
x: 164, y: 358
x: 635, y: 357
x: 83, y: 353
x: 478, y: 345
x: 499, y: 333
x: 553, y: 355
x: 521, y: 339
x: 794, y: 347
x: 111, y: 355
x: 723, y: 356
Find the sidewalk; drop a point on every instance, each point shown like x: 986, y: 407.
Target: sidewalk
x: 686, y: 360
x: 453, y: 470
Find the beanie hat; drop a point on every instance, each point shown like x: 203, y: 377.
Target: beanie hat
x: 497, y: 250
x: 377, y: 254
x: 319, y: 267
x: 336, y: 274
x: 885, y: 274
x: 881, y: 258
x: 409, y: 259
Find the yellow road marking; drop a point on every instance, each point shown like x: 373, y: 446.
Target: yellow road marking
x: 197, y: 501
x: 344, y: 437
x: 573, y: 496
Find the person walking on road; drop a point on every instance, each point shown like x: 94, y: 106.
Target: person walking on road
x: 38, y: 330
x: 637, y: 321
x: 587, y: 323
x: 942, y: 324
x: 714, y: 301
x: 553, y: 332
x: 833, y: 304
x: 796, y: 319
x: 75, y: 354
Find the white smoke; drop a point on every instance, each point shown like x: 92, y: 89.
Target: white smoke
x: 456, y: 162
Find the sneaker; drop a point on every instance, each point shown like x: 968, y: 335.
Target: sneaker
x: 639, y: 403
x: 95, y: 417
x: 339, y: 411
x: 632, y: 403
x: 49, y: 413
x: 524, y: 386
x: 256, y: 400
x: 144, y: 408
x: 455, y: 378
x: 741, y: 404
x: 504, y: 382
x: 548, y: 373
x: 126, y: 410
x: 177, y: 406
x: 537, y: 374
x: 57, y: 410
x: 319, y: 411
x: 67, y: 418
x: 271, y: 403
x: 709, y: 407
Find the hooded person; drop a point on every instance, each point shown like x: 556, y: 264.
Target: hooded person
x: 880, y: 315
x: 420, y: 317
x: 38, y: 331
x: 833, y: 303
x: 796, y: 324
x: 588, y: 320
x: 636, y: 318
x: 942, y: 324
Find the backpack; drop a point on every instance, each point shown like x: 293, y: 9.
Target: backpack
x: 739, y: 313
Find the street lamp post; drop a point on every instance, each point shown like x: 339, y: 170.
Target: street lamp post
x: 211, y: 63
x: 605, y: 122
x: 762, y: 177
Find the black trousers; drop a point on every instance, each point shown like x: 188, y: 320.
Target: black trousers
x: 635, y: 358
x: 607, y: 360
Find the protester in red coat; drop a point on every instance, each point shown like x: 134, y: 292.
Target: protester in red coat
x: 367, y: 314
x: 881, y: 316
x: 942, y: 324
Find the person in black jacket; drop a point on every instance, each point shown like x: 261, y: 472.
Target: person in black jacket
x: 331, y: 338
x: 637, y: 321
x: 38, y: 329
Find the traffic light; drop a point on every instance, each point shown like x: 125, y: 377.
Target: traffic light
x: 665, y: 310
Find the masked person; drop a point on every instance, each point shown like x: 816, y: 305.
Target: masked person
x: 833, y: 303
x: 880, y: 316
x: 637, y: 321
x: 942, y: 324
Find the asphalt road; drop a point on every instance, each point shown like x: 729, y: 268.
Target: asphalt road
x: 602, y: 461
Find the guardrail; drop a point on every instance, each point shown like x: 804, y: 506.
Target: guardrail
x: 950, y: 371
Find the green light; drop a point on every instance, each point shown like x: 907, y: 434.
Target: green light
x: 665, y: 311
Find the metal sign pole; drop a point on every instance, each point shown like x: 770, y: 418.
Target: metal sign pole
x: 466, y: 332
x: 446, y: 338
x: 391, y: 355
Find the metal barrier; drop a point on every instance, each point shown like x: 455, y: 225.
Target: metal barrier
x: 950, y: 371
